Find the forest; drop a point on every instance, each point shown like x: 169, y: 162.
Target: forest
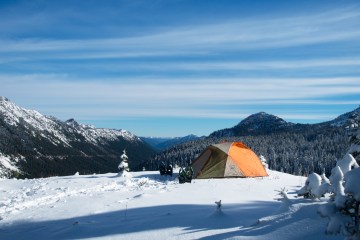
x: 298, y: 153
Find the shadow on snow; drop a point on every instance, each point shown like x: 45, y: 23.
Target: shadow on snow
x: 189, y: 217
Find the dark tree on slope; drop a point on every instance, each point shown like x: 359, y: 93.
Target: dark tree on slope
x: 354, y: 138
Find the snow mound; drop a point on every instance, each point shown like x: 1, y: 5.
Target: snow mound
x: 352, y: 180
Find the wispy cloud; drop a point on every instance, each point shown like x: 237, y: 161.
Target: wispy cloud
x: 218, y: 65
x: 243, y: 34
x: 174, y: 97
x: 218, y: 68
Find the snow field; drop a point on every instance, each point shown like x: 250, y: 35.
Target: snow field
x: 150, y: 206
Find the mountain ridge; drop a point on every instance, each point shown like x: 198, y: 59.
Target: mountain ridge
x: 265, y: 123
x: 164, y: 143
x: 59, y: 148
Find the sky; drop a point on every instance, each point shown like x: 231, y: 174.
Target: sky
x: 169, y: 68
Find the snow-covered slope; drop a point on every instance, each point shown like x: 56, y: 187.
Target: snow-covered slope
x: 8, y: 165
x: 150, y: 206
x: 37, y: 139
x: 15, y: 115
x: 350, y: 119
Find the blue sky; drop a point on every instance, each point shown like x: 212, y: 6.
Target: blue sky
x: 176, y: 67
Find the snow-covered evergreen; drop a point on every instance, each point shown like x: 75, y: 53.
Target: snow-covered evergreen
x: 354, y: 149
x: 264, y: 162
x: 315, y: 186
x: 124, y: 165
x: 342, y: 208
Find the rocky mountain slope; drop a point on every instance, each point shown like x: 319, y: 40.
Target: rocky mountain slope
x: 40, y: 146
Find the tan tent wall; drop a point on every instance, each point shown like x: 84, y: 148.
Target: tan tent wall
x: 231, y: 169
x: 223, y: 146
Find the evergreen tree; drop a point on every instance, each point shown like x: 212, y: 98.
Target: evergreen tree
x: 355, y: 141
x: 124, y: 165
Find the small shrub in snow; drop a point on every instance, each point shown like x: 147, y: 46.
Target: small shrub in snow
x: 142, y: 182
x: 264, y: 162
x: 218, y: 204
x: 283, y: 195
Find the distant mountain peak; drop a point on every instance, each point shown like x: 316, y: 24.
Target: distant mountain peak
x: 262, y: 115
x: 262, y: 118
x: 255, y: 124
x: 4, y: 99
x: 72, y: 122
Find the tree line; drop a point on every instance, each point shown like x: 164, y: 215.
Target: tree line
x: 298, y: 153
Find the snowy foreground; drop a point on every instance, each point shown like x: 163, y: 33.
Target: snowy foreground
x: 150, y: 206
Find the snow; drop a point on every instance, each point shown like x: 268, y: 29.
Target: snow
x: 7, y: 165
x: 14, y: 114
x: 352, y: 180
x: 347, y: 163
x: 315, y: 186
x: 336, y: 219
x: 150, y: 206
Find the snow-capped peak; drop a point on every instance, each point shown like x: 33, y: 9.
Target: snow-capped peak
x: 3, y: 99
x: 36, y: 136
x: 14, y: 115
x: 31, y: 119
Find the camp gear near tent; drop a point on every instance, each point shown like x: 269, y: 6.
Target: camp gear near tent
x: 166, y: 170
x: 186, y: 175
x: 229, y: 159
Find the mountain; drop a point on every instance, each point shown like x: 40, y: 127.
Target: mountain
x: 263, y: 123
x: 164, y: 143
x: 256, y: 124
x: 41, y: 146
x: 293, y: 148
x: 156, y: 142
x: 350, y: 119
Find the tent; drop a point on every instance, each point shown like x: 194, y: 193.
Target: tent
x: 229, y: 159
